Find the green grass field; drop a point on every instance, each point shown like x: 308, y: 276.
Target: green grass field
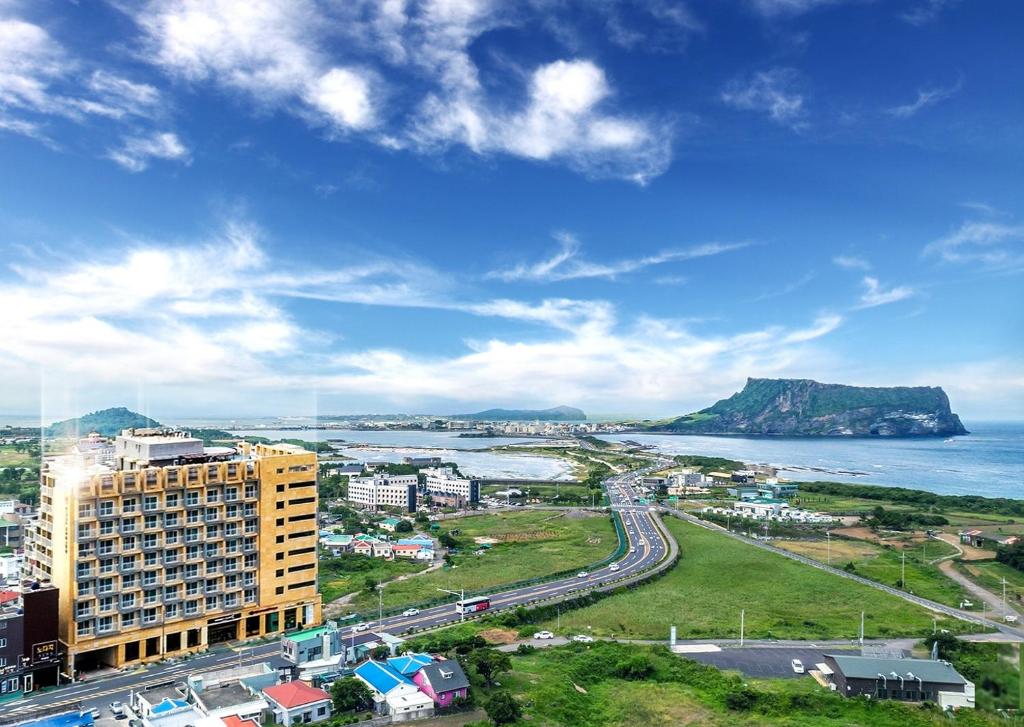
x: 583, y: 686
x: 883, y: 564
x: 549, y: 542
x: 717, y: 576
x: 340, y: 576
x: 11, y: 457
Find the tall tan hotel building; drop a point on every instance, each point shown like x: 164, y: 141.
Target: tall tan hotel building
x: 165, y: 547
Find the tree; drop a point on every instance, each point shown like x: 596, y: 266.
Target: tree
x: 349, y: 695
x: 489, y: 663
x: 404, y: 526
x: 634, y: 668
x: 422, y: 518
x: 448, y: 541
x: 502, y: 708
x: 370, y: 584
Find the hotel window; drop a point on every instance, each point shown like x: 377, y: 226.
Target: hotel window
x: 211, y: 603
x: 85, y: 510
x: 129, y: 581
x: 127, y: 600
x: 192, y: 589
x: 151, y: 521
x: 150, y: 541
x: 172, y: 499
x: 171, y: 610
x: 128, y: 620
x: 151, y: 503
x: 129, y: 505
x: 191, y: 498
x: 212, y: 495
x: 84, y: 627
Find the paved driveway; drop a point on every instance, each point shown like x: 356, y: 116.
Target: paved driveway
x: 766, y: 662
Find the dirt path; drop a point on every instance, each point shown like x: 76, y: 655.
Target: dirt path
x: 967, y: 552
x: 995, y: 602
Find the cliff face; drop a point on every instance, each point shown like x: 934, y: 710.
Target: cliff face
x: 801, y: 407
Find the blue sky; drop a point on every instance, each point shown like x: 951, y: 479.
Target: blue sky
x: 245, y: 207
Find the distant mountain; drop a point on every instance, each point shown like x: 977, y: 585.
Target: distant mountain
x: 801, y: 407
x: 555, y: 414
x: 107, y: 422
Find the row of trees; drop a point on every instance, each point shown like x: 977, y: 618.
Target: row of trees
x: 880, y: 518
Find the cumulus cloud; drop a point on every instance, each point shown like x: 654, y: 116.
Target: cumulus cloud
x: 136, y: 152
x: 188, y: 322
x: 772, y: 92
x: 989, y: 244
x: 875, y: 294
x: 566, y: 263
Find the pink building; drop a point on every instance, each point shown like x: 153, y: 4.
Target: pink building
x: 443, y: 681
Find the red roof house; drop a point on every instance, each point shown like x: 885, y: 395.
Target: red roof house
x: 298, y: 703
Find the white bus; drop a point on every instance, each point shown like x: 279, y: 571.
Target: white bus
x: 472, y: 605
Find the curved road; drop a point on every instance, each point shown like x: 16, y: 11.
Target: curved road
x: 648, y: 545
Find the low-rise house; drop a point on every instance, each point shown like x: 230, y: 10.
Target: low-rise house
x: 443, y: 681
x: 235, y: 691
x: 390, y: 524
x: 743, y: 492
x: 393, y: 693
x: 370, y: 546
x: 409, y: 664
x: 905, y: 680
x: 778, y: 490
x: 336, y: 543
x: 296, y: 703
x: 991, y: 541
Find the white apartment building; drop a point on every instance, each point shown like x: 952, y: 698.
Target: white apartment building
x: 384, y: 490
x: 444, y: 481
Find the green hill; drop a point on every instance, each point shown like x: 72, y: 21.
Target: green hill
x: 107, y: 422
x: 555, y: 414
x: 801, y: 407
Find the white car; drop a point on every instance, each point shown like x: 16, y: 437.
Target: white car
x: 411, y: 612
x: 118, y: 709
x: 632, y: 550
x: 613, y: 567
x: 362, y: 626
x: 543, y: 635
x: 582, y: 574
x: 582, y: 639
x: 798, y: 666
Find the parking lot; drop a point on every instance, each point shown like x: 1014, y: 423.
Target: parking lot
x: 765, y: 662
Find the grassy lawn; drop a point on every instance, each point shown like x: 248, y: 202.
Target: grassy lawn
x: 579, y: 686
x: 11, y: 457
x: 883, y: 564
x: 339, y: 576
x: 717, y: 576
x: 532, y: 544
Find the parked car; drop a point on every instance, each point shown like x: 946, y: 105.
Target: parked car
x: 582, y: 639
x: 411, y: 612
x: 543, y: 635
x: 118, y: 709
x: 798, y: 666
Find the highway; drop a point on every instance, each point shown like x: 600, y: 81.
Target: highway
x: 647, y: 546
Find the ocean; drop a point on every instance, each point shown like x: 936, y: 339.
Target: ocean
x: 989, y: 461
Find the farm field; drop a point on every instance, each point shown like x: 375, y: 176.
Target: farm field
x: 11, y: 456
x: 882, y: 564
x: 990, y: 575
x: 717, y: 576
x: 529, y: 544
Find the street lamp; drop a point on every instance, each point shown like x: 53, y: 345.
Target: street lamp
x: 462, y: 597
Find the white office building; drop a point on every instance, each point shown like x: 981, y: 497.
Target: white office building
x: 384, y: 490
x: 444, y: 481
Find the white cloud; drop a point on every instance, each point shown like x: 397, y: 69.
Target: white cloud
x: 268, y: 49
x: 926, y: 11
x: 136, y: 152
x: 772, y: 92
x: 990, y: 244
x: 190, y: 324
x: 875, y: 295
x: 772, y: 8
x: 851, y: 262
x: 562, y: 119
x: 925, y: 98
x: 566, y: 264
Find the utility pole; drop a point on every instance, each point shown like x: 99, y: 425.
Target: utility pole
x: 1004, y: 596
x: 862, y: 628
x: 828, y: 541
x: 743, y: 614
x: 380, y: 603
x: 903, y: 569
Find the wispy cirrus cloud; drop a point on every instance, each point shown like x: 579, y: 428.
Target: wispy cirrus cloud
x: 851, y: 262
x: 136, y: 152
x: 875, y: 294
x: 773, y: 92
x: 567, y: 263
x: 154, y: 318
x: 992, y: 245
x: 925, y: 98
x: 927, y: 11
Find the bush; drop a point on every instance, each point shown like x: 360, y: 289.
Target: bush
x: 741, y: 700
x: 634, y: 668
x: 502, y: 708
